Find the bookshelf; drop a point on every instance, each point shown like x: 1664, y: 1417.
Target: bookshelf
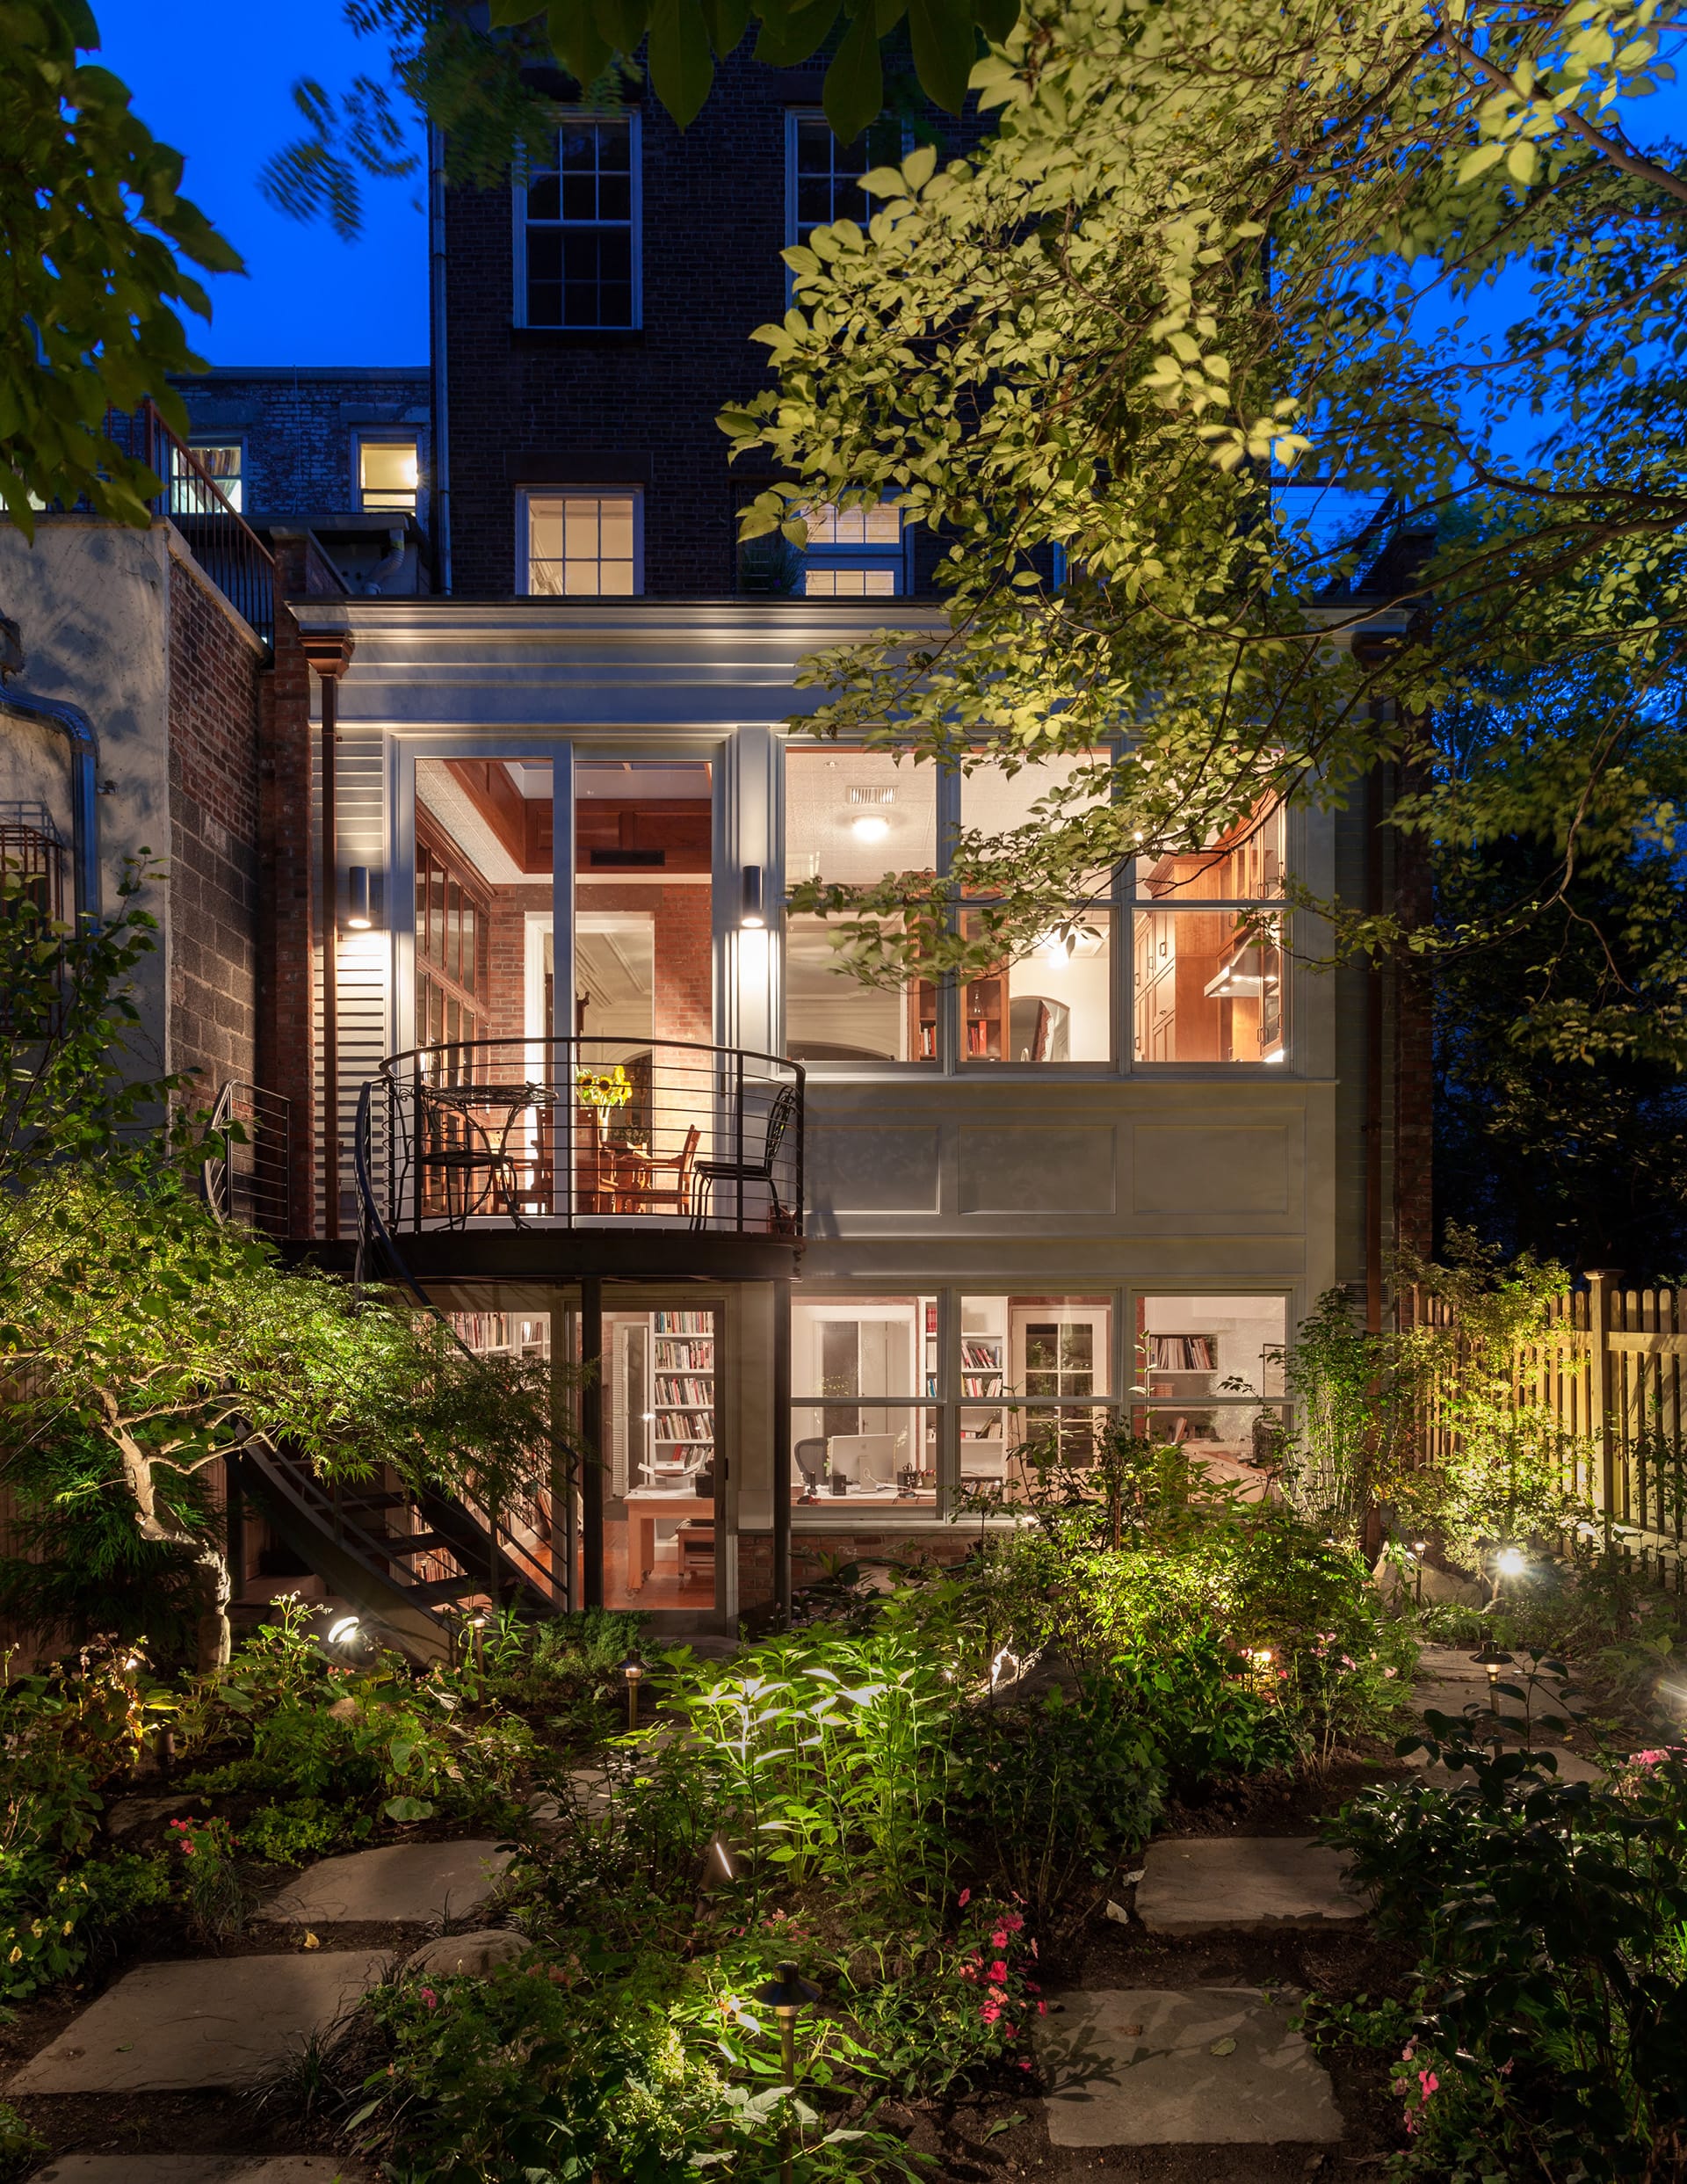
x: 983, y: 1379
x: 982, y: 1030
x: 682, y: 1373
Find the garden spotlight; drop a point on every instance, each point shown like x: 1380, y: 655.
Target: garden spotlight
x: 1493, y: 1660
x: 633, y: 1669
x: 1510, y: 1562
x: 344, y: 1630
x: 720, y: 1867
x: 785, y: 1996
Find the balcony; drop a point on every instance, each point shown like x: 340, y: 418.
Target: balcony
x: 547, y: 1159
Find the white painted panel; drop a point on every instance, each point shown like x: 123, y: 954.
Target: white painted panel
x: 1012, y: 1169
x: 1210, y: 1168
x: 872, y: 1170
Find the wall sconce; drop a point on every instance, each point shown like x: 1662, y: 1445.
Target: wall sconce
x: 357, y: 908
x: 751, y: 917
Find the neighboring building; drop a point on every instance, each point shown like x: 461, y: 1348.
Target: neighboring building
x: 344, y: 453
x: 838, y: 1255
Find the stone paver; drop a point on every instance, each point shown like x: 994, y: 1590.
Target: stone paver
x: 410, y: 1881
x: 1182, y: 2066
x: 200, y: 2168
x: 167, y: 2027
x: 1242, y: 1884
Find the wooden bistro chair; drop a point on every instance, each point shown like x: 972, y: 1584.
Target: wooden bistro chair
x: 641, y: 1194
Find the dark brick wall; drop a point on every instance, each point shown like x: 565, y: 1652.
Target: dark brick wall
x: 299, y: 427
x: 215, y: 674
x: 540, y: 408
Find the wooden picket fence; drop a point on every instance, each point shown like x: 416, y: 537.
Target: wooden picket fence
x: 1611, y: 1369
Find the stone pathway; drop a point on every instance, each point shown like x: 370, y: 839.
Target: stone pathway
x: 1449, y: 1681
x: 224, y: 2023
x: 1182, y: 2066
x: 1242, y: 1884
x: 411, y: 1882
x: 169, y: 2028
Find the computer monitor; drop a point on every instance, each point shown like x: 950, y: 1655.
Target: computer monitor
x: 863, y: 1459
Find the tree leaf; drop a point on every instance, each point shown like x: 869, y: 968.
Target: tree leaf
x: 682, y: 65
x: 577, y: 40
x: 945, y: 48
x: 854, y: 91
x: 790, y: 35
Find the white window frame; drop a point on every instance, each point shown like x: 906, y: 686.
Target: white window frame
x: 876, y: 555
x: 635, y: 170
x: 385, y: 436
x: 527, y: 494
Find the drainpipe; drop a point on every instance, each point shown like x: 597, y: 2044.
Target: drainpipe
x: 439, y: 494
x: 329, y: 653
x: 78, y: 731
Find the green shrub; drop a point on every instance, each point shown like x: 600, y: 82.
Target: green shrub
x: 21, y: 2146
x: 303, y: 1828
x: 1545, y: 2036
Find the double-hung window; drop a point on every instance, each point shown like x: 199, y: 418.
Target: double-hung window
x: 853, y: 553
x: 823, y: 177
x: 577, y: 229
x: 387, y: 475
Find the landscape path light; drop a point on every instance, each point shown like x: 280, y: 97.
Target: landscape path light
x: 1493, y: 1659
x: 633, y: 1670
x: 786, y: 1995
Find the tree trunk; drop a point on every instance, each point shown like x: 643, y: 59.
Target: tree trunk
x: 215, y: 1632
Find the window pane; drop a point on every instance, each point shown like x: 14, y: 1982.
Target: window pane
x: 387, y: 473
x: 849, y: 583
x: 827, y: 173
x: 1197, y: 1361
x: 221, y: 461
x: 544, y: 198
x: 1241, y: 866
x: 1053, y: 1004
x: 885, y: 1455
x: 1208, y: 986
x: 832, y: 1016
x: 581, y: 545
x: 852, y: 815
x: 994, y: 801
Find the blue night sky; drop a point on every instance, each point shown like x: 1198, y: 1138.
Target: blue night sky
x: 213, y: 80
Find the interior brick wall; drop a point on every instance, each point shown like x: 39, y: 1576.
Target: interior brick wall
x: 685, y: 960
x: 215, y: 674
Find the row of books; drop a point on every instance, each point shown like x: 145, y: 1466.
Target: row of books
x: 692, y: 1425
x: 1182, y: 1354
x: 685, y: 1322
x: 986, y: 1355
x: 675, y: 1356
x: 697, y: 1394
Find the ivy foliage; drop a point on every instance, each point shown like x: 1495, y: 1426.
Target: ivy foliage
x: 94, y: 273
x: 1215, y: 263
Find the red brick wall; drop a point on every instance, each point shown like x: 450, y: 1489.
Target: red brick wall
x: 215, y: 674
x: 755, y: 1556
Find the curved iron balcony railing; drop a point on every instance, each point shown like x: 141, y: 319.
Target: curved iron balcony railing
x: 598, y: 1133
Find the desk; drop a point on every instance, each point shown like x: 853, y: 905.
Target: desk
x: 644, y: 1505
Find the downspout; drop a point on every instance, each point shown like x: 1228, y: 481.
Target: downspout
x: 78, y: 730
x: 440, y: 489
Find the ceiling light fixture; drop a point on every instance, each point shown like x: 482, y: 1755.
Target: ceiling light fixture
x: 870, y: 830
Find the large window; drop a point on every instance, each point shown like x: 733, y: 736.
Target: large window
x: 582, y: 544
x: 577, y: 229
x: 451, y: 938
x: 1208, y: 949
x: 851, y: 816
x: 949, y: 1402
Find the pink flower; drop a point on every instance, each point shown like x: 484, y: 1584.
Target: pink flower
x: 1042, y: 2009
x: 1024, y: 2064
x: 963, y: 1899
x: 998, y: 1970
x: 430, y: 1998
x: 1391, y: 1671
x: 1013, y: 1922
x: 1429, y: 2081
x: 999, y: 1938
x: 990, y: 2011
x: 1648, y: 1759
